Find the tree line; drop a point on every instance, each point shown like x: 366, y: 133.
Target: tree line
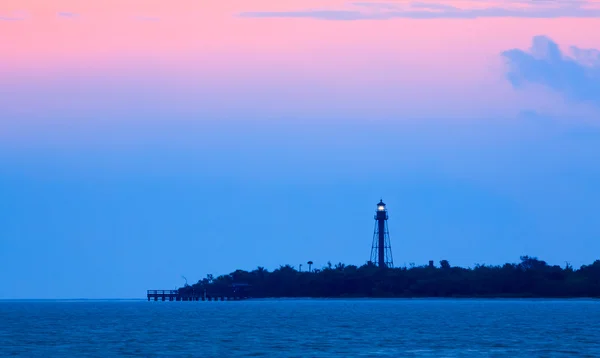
x: 530, y: 277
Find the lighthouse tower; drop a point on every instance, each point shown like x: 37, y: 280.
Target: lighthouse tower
x: 381, y: 250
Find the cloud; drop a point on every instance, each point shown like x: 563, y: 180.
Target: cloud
x: 433, y: 6
x: 68, y: 15
x: 432, y: 10
x: 377, y: 5
x: 587, y: 57
x: 576, y: 77
x: 14, y: 16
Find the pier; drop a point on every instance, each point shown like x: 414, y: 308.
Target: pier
x: 235, y: 293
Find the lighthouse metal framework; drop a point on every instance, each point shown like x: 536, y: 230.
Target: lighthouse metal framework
x: 381, y: 250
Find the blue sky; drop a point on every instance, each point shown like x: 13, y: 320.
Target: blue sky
x: 151, y: 204
x: 242, y: 141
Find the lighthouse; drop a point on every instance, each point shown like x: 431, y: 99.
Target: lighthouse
x: 381, y: 249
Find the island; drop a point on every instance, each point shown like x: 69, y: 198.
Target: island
x: 530, y: 278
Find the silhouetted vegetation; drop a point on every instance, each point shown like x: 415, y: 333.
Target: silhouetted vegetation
x: 529, y: 278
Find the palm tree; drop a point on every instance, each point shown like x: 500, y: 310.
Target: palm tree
x: 309, y: 265
x: 260, y: 271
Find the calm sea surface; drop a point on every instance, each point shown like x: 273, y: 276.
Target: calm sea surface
x: 302, y: 328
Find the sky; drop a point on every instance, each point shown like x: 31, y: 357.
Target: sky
x: 143, y: 141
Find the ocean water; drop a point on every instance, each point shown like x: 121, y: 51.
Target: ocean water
x: 302, y: 328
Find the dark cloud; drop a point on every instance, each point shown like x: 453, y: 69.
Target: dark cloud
x: 577, y: 77
x: 425, y: 10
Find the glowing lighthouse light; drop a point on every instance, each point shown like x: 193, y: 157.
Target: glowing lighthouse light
x: 381, y: 208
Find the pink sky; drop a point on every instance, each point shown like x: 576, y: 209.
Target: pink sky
x: 205, y: 47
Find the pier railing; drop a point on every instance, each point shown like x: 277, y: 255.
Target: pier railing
x: 163, y: 292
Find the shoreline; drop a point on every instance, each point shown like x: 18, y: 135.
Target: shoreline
x: 122, y: 300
